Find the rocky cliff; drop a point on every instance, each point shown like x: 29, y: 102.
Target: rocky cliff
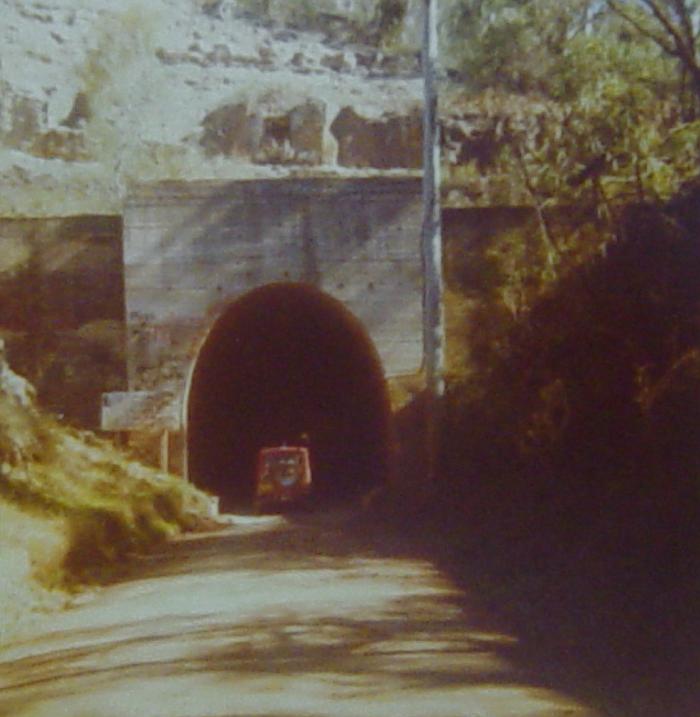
x: 96, y: 96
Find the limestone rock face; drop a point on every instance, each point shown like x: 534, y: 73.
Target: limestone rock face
x: 267, y: 137
x: 98, y: 96
x: 16, y: 387
x: 230, y: 130
x: 389, y: 141
x: 306, y: 126
x: 21, y: 117
x: 67, y: 145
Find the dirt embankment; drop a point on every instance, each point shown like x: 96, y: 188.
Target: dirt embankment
x: 71, y: 505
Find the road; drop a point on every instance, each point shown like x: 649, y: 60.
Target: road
x: 277, y: 617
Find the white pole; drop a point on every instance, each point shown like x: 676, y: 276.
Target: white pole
x: 431, y: 242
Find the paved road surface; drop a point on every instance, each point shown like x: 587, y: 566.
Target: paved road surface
x: 274, y: 617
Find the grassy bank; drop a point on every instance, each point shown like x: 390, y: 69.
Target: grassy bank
x: 71, y: 506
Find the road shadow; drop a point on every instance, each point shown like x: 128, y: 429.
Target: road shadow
x: 414, y: 635
x: 529, y: 616
x: 606, y: 609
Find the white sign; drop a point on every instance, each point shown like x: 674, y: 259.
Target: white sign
x: 140, y: 411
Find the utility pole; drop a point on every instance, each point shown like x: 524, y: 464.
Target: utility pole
x: 431, y: 245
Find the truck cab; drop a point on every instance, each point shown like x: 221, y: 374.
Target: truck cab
x: 283, y: 477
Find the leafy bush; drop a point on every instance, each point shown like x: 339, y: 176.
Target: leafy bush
x: 583, y: 393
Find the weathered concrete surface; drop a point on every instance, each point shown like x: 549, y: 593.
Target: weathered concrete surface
x: 191, y: 249
x: 62, y: 309
x: 279, y: 619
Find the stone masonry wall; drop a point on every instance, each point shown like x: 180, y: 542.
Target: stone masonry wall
x: 62, y: 309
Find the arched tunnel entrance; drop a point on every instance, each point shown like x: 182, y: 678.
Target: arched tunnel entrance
x: 282, y: 361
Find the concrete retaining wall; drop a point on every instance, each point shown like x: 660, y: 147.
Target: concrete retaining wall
x: 192, y: 249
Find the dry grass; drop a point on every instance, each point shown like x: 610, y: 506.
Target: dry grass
x: 72, y: 505
x: 30, y: 549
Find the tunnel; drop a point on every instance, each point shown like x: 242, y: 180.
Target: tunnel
x: 283, y: 364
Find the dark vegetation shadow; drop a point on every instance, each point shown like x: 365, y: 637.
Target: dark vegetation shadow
x: 370, y: 651
x: 573, y: 472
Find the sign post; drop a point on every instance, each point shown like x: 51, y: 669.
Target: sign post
x: 165, y: 450
x: 143, y: 411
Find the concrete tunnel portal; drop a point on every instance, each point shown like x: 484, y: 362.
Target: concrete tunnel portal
x: 282, y: 361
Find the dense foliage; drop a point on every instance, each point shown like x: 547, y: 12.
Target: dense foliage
x: 572, y: 458
x: 611, y: 87
x: 573, y: 449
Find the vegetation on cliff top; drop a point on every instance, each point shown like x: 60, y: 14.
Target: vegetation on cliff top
x: 600, y: 100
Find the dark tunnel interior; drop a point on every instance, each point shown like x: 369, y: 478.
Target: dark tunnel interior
x: 282, y: 361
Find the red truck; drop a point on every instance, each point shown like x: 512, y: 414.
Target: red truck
x: 283, y: 477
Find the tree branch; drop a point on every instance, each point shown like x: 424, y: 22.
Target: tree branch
x: 642, y: 29
x: 676, y: 45
x: 667, y: 24
x: 686, y: 22
x: 552, y: 250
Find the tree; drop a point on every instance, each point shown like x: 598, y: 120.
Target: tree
x: 674, y: 25
x: 518, y: 45
x: 600, y: 114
